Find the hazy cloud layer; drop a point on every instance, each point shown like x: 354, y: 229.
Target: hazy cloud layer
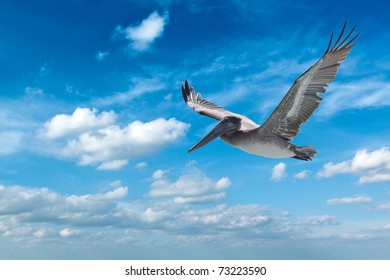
x: 324, y: 220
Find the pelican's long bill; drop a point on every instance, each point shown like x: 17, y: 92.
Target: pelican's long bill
x: 227, y: 124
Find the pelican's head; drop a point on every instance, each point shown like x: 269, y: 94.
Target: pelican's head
x: 226, y: 125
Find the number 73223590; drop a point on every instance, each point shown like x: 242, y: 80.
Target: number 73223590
x: 242, y: 270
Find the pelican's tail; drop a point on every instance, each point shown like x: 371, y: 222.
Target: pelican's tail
x: 303, y: 152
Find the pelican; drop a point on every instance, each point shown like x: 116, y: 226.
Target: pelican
x: 273, y: 138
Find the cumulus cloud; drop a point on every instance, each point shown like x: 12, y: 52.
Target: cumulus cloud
x: 278, y: 172
x: 81, y: 120
x: 42, y: 216
x: 301, y: 175
x: 112, y: 146
x: 349, y: 200
x: 143, y: 35
x: 42, y: 207
x: 158, y: 174
x: 372, y: 166
x: 94, y: 139
x: 35, y: 204
x: 191, y: 187
x: 253, y: 218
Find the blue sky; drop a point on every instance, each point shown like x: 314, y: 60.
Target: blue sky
x: 94, y: 132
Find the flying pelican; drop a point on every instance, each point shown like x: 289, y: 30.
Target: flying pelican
x: 272, y: 138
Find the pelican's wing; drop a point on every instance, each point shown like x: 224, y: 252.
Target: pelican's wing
x: 209, y: 109
x: 302, y: 99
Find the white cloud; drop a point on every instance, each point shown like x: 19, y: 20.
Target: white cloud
x: 253, y: 218
x: 19, y: 123
x: 210, y: 198
x: 374, y: 178
x: 138, y: 88
x: 21, y: 206
x: 116, y: 184
x: 222, y: 64
x: 365, y: 93
x: 158, y: 174
x: 301, y: 175
x: 384, y: 206
x: 191, y: 187
x: 43, y: 232
x: 278, y: 77
x: 141, y: 165
x: 235, y: 93
x: 372, y: 166
x: 278, y: 172
x: 81, y: 120
x: 112, y: 146
x: 114, y: 164
x: 10, y: 142
x: 41, y: 203
x: 101, y: 55
x: 39, y: 216
x: 34, y: 91
x: 244, y: 86
x: 66, y: 232
x: 117, y: 194
x: 349, y: 200
x: 324, y: 220
x: 94, y: 139
x: 284, y: 68
x: 143, y: 35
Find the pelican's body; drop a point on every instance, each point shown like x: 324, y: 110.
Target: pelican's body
x: 272, y: 138
x: 254, y: 142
